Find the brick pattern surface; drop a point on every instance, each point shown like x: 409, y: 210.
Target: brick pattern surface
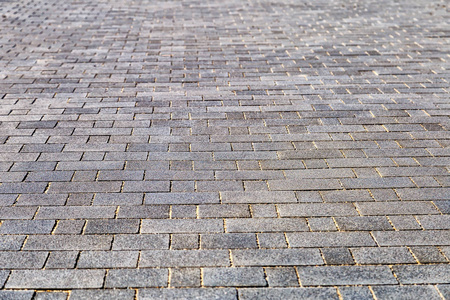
x: 193, y: 149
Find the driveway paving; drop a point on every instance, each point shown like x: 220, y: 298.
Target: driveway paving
x: 261, y: 149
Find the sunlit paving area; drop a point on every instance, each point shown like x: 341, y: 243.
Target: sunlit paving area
x: 260, y: 149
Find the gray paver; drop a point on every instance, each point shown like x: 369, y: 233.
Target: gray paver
x: 276, y: 257
x: 234, y: 277
x: 228, y: 241
x: 418, y: 274
x: 56, y: 279
x: 3, y: 276
x: 288, y: 293
x: 345, y: 275
x: 282, y: 277
x: 107, y: 259
x: 406, y: 292
x: 68, y: 242
x: 329, y: 239
x: 184, y: 258
x: 413, y: 238
x: 22, y: 260
x: 266, y: 225
x: 137, y: 278
x: 385, y: 255
x: 140, y: 242
x: 181, y: 226
x: 102, y: 294
x: 185, y: 277
x: 193, y: 293
x: 16, y: 295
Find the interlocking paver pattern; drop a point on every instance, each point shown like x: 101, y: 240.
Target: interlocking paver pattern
x: 224, y: 149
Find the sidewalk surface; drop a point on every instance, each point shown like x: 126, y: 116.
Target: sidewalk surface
x: 224, y: 149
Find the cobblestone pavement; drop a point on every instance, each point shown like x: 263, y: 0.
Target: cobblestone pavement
x: 224, y: 149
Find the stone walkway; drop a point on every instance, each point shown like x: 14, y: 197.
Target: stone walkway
x: 224, y: 149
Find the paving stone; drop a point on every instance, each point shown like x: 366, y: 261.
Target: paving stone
x: 185, y: 277
x: 69, y: 227
x: 329, y: 239
x: 76, y: 212
x: 266, y: 225
x: 272, y: 240
x: 405, y: 292
x: 22, y: 260
x: 355, y: 292
x: 181, y: 226
x: 404, y: 222
x: 184, y: 212
x: 7, y: 199
x: 143, y: 212
x: 51, y: 296
x: 431, y: 222
x: 181, y: 198
x: 125, y: 278
x: 184, y: 258
x: 308, y: 196
x: 102, y: 294
x: 374, y: 183
x: 424, y: 194
x: 27, y: 226
x: 217, y: 186
x: 444, y: 206
x: 419, y: 274
x: 89, y: 187
x: 3, y: 276
x: 384, y: 194
x: 189, y: 293
x: 345, y: 275
x: 304, y: 184
x: 140, y: 242
x: 11, y: 242
x: 276, y: 257
x: 55, y: 279
x: 107, y: 199
x: 337, y: 256
x: 68, y: 242
x: 62, y: 260
x: 288, y: 293
x: 228, y: 241
x: 145, y: 186
x: 16, y: 295
x: 316, y: 210
x: 384, y: 255
x: 181, y: 241
x: 397, y: 208
x: 111, y: 226
x: 363, y: 223
x: 42, y: 199
x: 412, y: 238
x: 80, y: 199
x: 107, y: 259
x: 258, y: 197
x: 428, y: 254
x: 346, y: 196
x: 234, y: 277
x: 282, y: 277
x: 264, y: 211
x: 23, y: 187
x: 444, y: 289
x: 224, y: 211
